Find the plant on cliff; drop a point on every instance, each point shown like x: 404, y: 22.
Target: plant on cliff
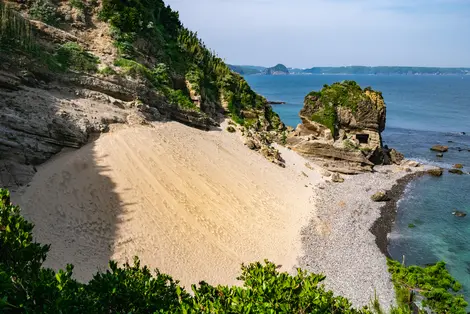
x: 433, y: 282
x: 72, y: 56
x: 15, y: 31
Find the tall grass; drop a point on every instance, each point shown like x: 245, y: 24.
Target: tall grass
x: 15, y: 30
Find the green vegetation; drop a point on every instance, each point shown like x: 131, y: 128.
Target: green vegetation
x: 45, y: 11
x: 186, y: 57
x: 72, y: 56
x: 411, y: 226
x: 106, y: 71
x: 434, y: 283
x: 246, y: 69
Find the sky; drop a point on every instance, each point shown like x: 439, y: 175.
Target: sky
x: 307, y: 33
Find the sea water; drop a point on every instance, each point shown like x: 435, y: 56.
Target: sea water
x: 422, y: 111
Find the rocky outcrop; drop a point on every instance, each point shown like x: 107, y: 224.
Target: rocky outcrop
x: 440, y: 148
x: 342, y: 124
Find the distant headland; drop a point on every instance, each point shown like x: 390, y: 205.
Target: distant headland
x: 281, y: 69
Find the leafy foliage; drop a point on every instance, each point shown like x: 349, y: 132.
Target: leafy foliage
x: 45, y: 11
x: 72, y: 56
x: 433, y: 282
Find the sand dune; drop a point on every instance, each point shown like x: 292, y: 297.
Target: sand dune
x: 194, y: 204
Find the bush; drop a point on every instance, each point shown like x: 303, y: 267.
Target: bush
x: 44, y: 11
x: 72, y: 56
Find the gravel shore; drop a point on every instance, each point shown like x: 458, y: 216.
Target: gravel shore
x: 344, y: 248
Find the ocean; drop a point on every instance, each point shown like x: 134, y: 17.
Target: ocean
x: 422, y: 111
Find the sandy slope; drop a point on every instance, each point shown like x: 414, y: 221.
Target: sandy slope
x: 194, y: 204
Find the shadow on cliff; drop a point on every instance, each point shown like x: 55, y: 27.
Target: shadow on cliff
x: 71, y: 199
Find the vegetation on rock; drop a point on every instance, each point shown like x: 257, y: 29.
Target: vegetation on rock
x: 277, y: 69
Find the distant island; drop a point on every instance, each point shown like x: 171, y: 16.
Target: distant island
x: 349, y: 70
x: 278, y: 69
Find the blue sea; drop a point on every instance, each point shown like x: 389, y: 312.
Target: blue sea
x: 421, y: 111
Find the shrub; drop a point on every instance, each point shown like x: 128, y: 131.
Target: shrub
x: 72, y: 56
x: 44, y: 11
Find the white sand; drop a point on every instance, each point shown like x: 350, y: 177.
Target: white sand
x: 194, y: 204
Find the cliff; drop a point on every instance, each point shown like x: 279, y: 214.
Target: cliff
x: 342, y: 125
x: 71, y: 69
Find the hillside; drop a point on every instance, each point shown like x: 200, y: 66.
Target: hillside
x: 385, y: 70
x: 116, y: 63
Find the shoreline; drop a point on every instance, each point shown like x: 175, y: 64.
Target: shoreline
x: 338, y: 240
x: 388, y: 212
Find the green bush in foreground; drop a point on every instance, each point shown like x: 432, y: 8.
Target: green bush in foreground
x: 27, y: 287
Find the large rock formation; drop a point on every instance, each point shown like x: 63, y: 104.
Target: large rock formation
x: 342, y: 125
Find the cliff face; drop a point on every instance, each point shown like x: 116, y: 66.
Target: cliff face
x: 70, y: 69
x: 342, y: 123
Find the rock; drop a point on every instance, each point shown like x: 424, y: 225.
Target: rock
x: 440, y: 148
x: 411, y: 163
x: 348, y: 132
x: 456, y: 171
x: 436, y: 172
x: 380, y: 196
x: 408, y: 170
x: 326, y: 173
x: 458, y: 213
x: 458, y: 166
x: 440, y: 155
x: 336, y: 177
x: 250, y: 143
x: 231, y: 129
x: 396, y: 157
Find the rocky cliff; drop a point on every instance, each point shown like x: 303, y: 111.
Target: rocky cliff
x: 342, y: 125
x: 278, y: 69
x: 71, y: 69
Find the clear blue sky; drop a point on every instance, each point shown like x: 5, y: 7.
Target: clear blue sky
x: 306, y: 33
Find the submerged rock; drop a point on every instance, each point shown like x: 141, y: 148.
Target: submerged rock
x: 440, y: 148
x: 436, y: 172
x: 380, y: 196
x: 440, y: 155
x: 458, y: 213
x: 456, y: 171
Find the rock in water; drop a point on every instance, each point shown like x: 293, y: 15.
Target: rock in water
x: 436, y: 172
x: 440, y: 148
x: 458, y: 166
x: 440, y: 155
x: 380, y: 196
x: 458, y: 213
x: 336, y: 177
x: 456, y: 171
x: 343, y: 123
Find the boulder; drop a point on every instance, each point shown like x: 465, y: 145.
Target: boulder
x: 231, y: 129
x: 411, y: 163
x: 440, y: 155
x: 436, y: 172
x: 336, y: 177
x: 250, y: 144
x: 458, y: 213
x: 440, y: 148
x: 380, y: 196
x: 456, y: 171
x: 458, y: 166
x: 396, y: 157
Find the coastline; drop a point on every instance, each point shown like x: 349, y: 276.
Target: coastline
x: 339, y: 241
x: 384, y: 224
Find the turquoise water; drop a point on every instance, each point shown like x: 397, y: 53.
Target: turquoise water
x: 421, y: 111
